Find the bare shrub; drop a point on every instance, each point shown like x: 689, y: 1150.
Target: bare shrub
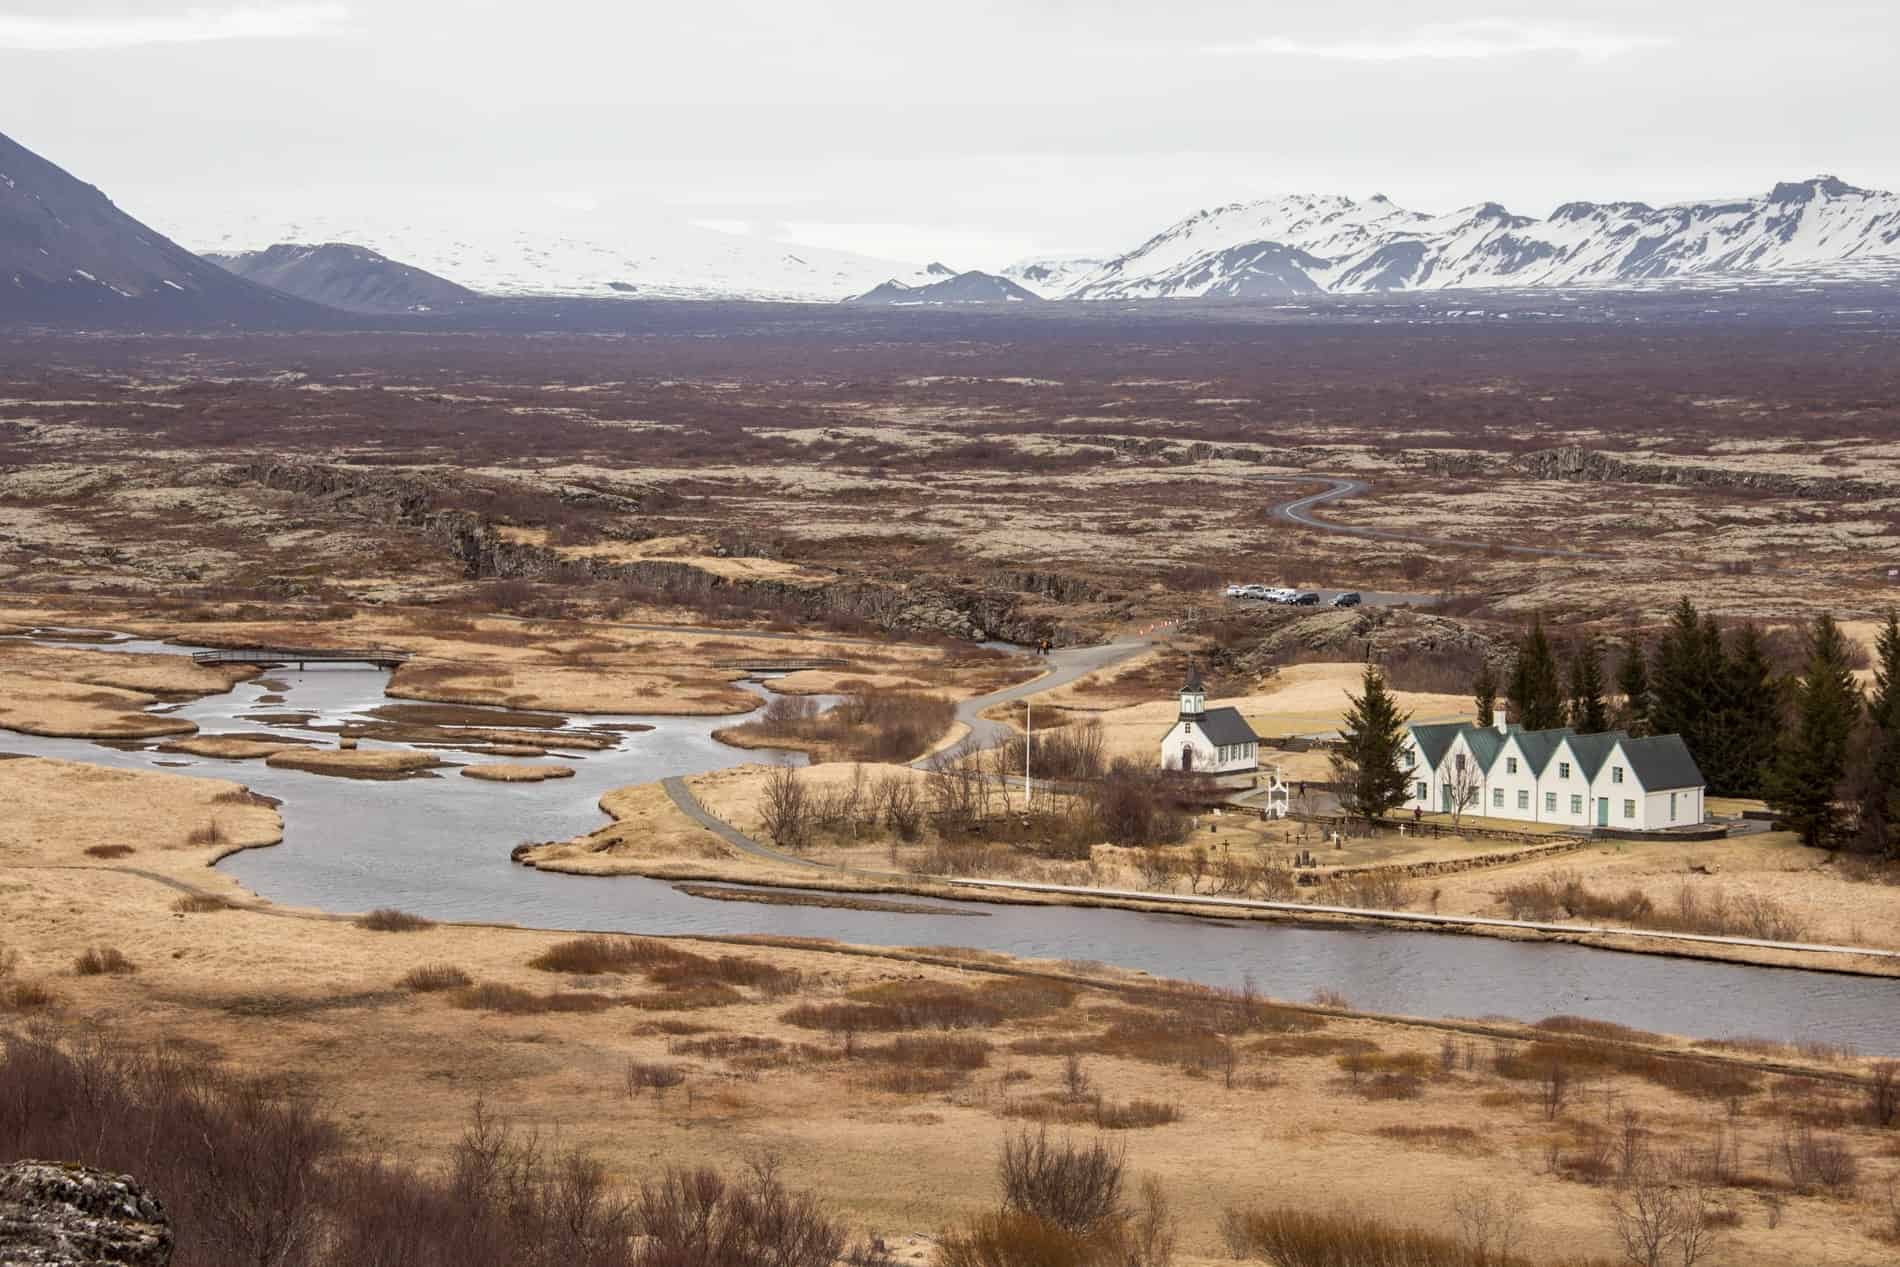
x: 207, y: 834
x: 432, y: 977
x: 103, y: 961
x: 1662, y: 1216
x: 1490, y: 1224
x: 1008, y: 1238
x: 900, y: 807
x: 1075, y: 1187
x: 785, y: 809
x: 699, y: 1218
x: 27, y: 996
x: 1814, y: 1161
x: 1883, y: 1085
x: 200, y: 904
x: 1135, y: 804
x: 387, y: 919
x: 652, y: 1076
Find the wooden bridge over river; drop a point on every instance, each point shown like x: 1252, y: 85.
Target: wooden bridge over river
x: 381, y: 657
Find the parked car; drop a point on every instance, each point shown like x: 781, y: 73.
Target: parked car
x: 1235, y: 591
x: 1350, y: 598
x: 1279, y: 594
x: 1306, y: 598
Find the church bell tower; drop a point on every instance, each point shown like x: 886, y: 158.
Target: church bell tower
x: 1193, y: 696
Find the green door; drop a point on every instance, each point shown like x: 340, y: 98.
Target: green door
x: 1603, y: 811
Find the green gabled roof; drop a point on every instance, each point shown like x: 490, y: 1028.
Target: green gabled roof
x: 1435, y: 739
x: 1662, y: 763
x: 1593, y: 750
x: 1539, y: 746
x: 1485, y: 743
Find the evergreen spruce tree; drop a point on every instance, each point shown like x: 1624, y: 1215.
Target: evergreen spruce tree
x: 1589, y: 715
x: 1366, y: 764
x: 1688, y: 684
x: 1875, y: 771
x: 1484, y: 691
x: 1632, y: 683
x: 1747, y: 728
x: 1812, y: 756
x: 1535, y: 692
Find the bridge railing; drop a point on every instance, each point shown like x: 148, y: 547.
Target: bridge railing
x: 254, y: 655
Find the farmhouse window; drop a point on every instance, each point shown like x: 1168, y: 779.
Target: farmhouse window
x: 1497, y: 798
x: 1510, y: 765
x: 1629, y: 809
x: 1616, y: 774
x: 1421, y: 789
x: 1550, y: 802
x: 1563, y: 769
x: 1576, y: 805
x: 1523, y: 799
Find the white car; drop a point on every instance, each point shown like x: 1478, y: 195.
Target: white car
x: 1236, y: 591
x: 1280, y: 595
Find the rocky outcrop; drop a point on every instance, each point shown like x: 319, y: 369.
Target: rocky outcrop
x: 1580, y: 464
x: 1351, y: 633
x: 56, y: 1215
x: 432, y: 504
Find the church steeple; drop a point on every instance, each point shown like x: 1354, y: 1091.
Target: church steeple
x: 1193, y: 695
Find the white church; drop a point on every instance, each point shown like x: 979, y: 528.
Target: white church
x: 1553, y: 776
x: 1216, y: 742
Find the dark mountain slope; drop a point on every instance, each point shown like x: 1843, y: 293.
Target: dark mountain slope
x: 69, y: 256
x: 353, y: 278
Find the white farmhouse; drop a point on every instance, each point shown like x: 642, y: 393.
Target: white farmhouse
x: 1203, y: 741
x: 1553, y: 776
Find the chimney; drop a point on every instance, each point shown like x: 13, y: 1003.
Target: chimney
x: 1499, y: 720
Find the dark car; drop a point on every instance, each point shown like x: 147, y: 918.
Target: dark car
x: 1348, y: 599
x: 1306, y: 598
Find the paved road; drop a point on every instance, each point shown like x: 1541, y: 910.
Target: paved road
x: 1065, y: 666
x: 1300, y: 511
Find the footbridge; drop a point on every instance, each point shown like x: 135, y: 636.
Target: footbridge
x: 381, y: 657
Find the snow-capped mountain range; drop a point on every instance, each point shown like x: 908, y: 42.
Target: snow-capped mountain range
x: 1308, y: 245
x: 535, y: 251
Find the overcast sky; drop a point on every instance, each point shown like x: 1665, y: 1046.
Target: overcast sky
x: 974, y: 131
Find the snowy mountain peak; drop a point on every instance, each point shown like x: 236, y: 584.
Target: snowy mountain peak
x: 1303, y: 244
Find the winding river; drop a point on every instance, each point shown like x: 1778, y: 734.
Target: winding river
x: 439, y: 847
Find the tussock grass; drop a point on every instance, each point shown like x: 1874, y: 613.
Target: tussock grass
x: 103, y: 961
x: 1096, y: 1111
x: 208, y: 833
x: 27, y: 996
x: 687, y: 999
x: 110, y: 851
x: 1446, y: 1136
x: 432, y: 977
x: 1290, y: 1237
x: 514, y: 1001
x: 388, y: 919
x: 200, y: 904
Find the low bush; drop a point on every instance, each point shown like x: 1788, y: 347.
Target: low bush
x: 26, y: 996
x: 1452, y: 1138
x: 698, y: 1218
x: 592, y: 956
x: 103, y: 961
x: 514, y: 1001
x: 687, y: 999
x: 387, y: 919
x: 432, y: 977
x: 110, y: 851
x: 646, y: 1075
x: 200, y: 904
x: 207, y: 834
x: 1289, y: 1237
x: 1096, y: 1111
x: 930, y: 1051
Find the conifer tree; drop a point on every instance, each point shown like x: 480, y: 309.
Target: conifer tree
x: 1812, y: 755
x: 1588, y: 713
x: 1875, y: 769
x: 1632, y: 683
x: 1747, y: 727
x: 1484, y: 691
x: 1536, y: 695
x: 1688, y: 683
x: 1366, y: 763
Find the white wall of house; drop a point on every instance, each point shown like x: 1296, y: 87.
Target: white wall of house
x: 1511, y: 790
x: 1209, y: 758
x: 1616, y: 785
